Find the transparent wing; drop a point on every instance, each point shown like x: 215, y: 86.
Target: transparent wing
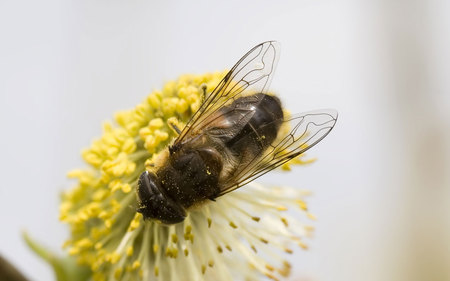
x: 251, y: 74
x: 307, y: 130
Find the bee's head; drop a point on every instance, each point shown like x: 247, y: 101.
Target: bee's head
x: 154, y: 204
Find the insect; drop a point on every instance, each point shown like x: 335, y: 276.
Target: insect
x: 234, y: 137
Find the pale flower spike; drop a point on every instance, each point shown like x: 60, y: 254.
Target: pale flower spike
x: 244, y: 235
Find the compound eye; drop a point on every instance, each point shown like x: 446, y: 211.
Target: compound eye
x: 154, y: 204
x: 147, y: 186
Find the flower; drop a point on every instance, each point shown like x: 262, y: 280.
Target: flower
x: 242, y: 235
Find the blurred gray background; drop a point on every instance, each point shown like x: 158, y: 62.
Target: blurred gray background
x: 381, y: 184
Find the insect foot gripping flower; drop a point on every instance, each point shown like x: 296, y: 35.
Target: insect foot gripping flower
x: 244, y: 234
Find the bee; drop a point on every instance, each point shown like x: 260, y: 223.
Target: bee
x: 233, y: 138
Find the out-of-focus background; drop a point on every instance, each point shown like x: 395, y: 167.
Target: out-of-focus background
x: 381, y: 184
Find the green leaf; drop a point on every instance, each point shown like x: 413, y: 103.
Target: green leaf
x: 65, y: 268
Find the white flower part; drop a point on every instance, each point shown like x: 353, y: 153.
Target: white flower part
x: 244, y: 235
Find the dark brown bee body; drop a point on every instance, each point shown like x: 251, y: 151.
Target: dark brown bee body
x: 191, y: 176
x: 194, y: 174
x: 265, y: 116
x: 232, y: 139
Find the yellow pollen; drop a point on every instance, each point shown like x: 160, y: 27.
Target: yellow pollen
x: 309, y: 228
x: 182, y: 106
x: 289, y: 251
x: 155, y: 123
x: 114, y: 257
x: 135, y: 222
x: 84, y: 243
x: 233, y: 225
x: 263, y: 240
x: 311, y: 216
x: 129, y: 251
x: 209, y: 222
x: 129, y: 146
x: 104, y: 215
x: 118, y: 273
x: 282, y: 208
x: 270, y: 276
x: 109, y: 223
x: 126, y: 188
x: 286, y: 270
x: 74, y: 251
x: 174, y: 238
x: 302, y: 204
x: 303, y: 245
x: 135, y: 265
x: 172, y: 252
x: 100, y: 195
x: 285, y: 222
x: 67, y: 243
x: 154, y: 101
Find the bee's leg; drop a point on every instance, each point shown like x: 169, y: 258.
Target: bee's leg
x: 175, y: 128
x: 174, y: 125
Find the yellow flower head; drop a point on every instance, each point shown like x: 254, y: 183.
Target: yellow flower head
x: 242, y: 235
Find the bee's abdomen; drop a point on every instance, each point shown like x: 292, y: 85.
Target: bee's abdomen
x: 261, y: 129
